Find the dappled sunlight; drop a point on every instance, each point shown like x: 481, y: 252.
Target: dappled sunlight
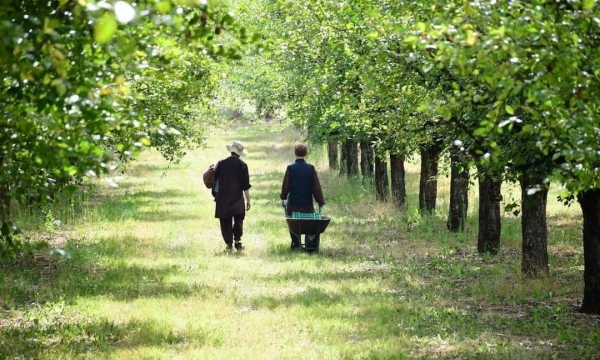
x: 150, y: 276
x: 114, y: 110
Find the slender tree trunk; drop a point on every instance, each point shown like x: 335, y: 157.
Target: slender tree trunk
x: 398, y: 180
x: 5, y: 224
x: 366, y: 159
x: 488, y: 239
x: 332, y: 154
x: 428, y: 182
x: 459, y: 194
x: 344, y: 158
x: 352, y: 161
x: 534, y: 229
x: 4, y: 203
x: 381, y: 179
x: 590, y: 205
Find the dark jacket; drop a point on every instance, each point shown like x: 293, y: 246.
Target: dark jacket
x: 300, y: 185
x: 233, y: 178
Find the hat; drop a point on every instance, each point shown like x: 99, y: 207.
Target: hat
x: 237, y: 147
x: 300, y: 150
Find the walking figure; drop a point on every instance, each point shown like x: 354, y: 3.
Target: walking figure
x: 300, y: 185
x: 232, y: 183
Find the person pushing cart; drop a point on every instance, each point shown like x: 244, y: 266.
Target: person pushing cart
x: 300, y: 185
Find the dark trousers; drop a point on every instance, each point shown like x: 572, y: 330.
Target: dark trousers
x: 234, y: 232
x: 297, y: 238
x: 309, y: 239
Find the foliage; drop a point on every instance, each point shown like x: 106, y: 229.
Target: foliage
x: 508, y: 80
x: 532, y: 65
x: 87, y: 84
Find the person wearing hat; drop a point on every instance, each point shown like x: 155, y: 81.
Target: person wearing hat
x: 300, y: 185
x: 233, y: 182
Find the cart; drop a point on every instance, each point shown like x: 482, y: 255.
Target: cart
x: 310, y: 225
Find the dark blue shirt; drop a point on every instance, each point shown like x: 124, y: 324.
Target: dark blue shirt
x: 300, y: 184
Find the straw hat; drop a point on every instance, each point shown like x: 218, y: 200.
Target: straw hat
x: 237, y: 147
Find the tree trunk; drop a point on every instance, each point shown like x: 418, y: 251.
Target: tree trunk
x: 366, y: 159
x: 332, y: 154
x: 398, y: 180
x: 344, y: 158
x: 488, y: 239
x: 381, y: 179
x: 352, y: 162
x: 459, y: 194
x: 428, y: 182
x: 590, y: 205
x: 4, y: 203
x: 534, y: 229
x: 5, y: 224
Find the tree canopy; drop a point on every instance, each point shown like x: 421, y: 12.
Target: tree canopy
x: 86, y: 84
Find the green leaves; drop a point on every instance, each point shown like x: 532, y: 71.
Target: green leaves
x: 411, y: 40
x: 85, y: 88
x: 105, y: 28
x: 588, y: 4
x: 445, y: 112
x: 163, y: 7
x: 527, y: 61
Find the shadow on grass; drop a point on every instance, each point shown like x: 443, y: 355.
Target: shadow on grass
x: 425, y: 321
x: 416, y: 313
x: 157, y: 170
x: 443, y: 310
x: 46, y: 279
x: 70, y: 336
x: 153, y: 206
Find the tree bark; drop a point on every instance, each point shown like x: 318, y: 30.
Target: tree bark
x: 398, y: 180
x: 381, y: 179
x: 428, y: 183
x: 488, y: 239
x: 4, y: 203
x: 590, y: 205
x: 366, y: 159
x: 332, y: 154
x: 352, y: 159
x: 344, y: 158
x: 459, y: 194
x: 534, y: 229
x: 5, y: 224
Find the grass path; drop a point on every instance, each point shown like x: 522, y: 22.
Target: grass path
x: 149, y: 279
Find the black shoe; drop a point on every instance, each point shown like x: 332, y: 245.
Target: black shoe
x: 229, y: 247
x: 239, y: 246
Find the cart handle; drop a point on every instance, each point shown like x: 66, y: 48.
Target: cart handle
x: 283, y: 205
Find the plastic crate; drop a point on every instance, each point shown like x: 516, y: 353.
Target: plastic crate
x: 299, y: 215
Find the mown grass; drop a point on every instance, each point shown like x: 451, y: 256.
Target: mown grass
x: 148, y: 277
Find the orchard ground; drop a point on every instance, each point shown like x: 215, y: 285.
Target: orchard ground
x: 148, y: 277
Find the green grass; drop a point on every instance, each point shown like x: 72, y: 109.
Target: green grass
x: 148, y: 277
